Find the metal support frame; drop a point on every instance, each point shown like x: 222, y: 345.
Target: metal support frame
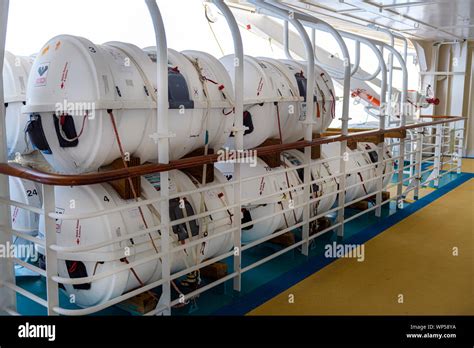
x: 339, y: 75
x: 287, y: 16
x: 460, y: 145
x: 403, y: 104
x: 315, y: 23
x: 239, y: 135
x: 163, y: 145
x: 49, y: 226
x: 286, y: 40
x: 419, y: 159
x: 390, y: 68
x: 382, y: 117
x: 355, y: 64
x: 390, y: 14
x: 403, y: 98
x: 438, y: 152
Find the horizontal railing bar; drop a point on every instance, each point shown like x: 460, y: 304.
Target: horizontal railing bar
x: 202, y: 289
x: 118, y: 299
x: 23, y: 235
x: 29, y: 266
x: 272, y: 256
x: 326, y: 230
x: 131, y: 172
x: 215, y: 259
x: 85, y: 248
x: 271, y: 236
x: 21, y: 205
x: 365, y: 211
x: 11, y: 312
x: 26, y: 293
x: 266, y: 217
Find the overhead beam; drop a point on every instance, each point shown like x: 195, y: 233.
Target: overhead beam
x: 396, y: 16
x: 407, y: 4
x: 343, y: 16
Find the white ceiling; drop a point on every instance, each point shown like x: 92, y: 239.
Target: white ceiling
x: 425, y: 20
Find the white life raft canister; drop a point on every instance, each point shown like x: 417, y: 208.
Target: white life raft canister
x: 324, y: 93
x: 274, y: 91
x: 75, y: 84
x: 83, y: 232
x: 254, y: 207
x: 371, y: 150
x: 357, y: 178
x: 321, y: 172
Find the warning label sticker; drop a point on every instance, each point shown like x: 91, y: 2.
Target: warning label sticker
x: 42, y: 75
x: 59, y: 222
x: 64, y: 75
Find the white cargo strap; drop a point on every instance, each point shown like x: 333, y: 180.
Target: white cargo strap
x: 333, y: 102
x: 189, y: 232
x: 203, y: 228
x: 284, y: 164
x: 204, y: 81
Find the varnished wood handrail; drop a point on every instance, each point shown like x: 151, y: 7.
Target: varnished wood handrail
x: 439, y: 117
x: 18, y: 171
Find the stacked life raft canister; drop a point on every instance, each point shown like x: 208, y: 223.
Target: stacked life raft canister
x: 87, y: 104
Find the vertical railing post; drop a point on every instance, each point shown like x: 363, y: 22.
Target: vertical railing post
x: 411, y: 170
x: 459, y: 134
x: 379, y: 174
x: 238, y: 135
x: 7, y: 272
x: 437, y: 154
x: 286, y: 40
x: 403, y: 121
x: 162, y: 137
x: 49, y: 228
x: 382, y: 125
x: 419, y: 159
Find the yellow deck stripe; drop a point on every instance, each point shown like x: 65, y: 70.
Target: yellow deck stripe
x: 467, y: 165
x: 414, y: 258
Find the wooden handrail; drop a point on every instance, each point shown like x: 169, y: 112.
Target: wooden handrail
x: 19, y: 171
x: 438, y: 116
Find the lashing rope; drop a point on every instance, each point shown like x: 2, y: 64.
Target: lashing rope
x: 323, y: 97
x: 119, y: 142
x: 129, y: 179
x: 61, y: 121
x: 362, y: 181
x: 286, y: 173
x: 220, y: 196
x: 203, y: 230
x: 333, y: 101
